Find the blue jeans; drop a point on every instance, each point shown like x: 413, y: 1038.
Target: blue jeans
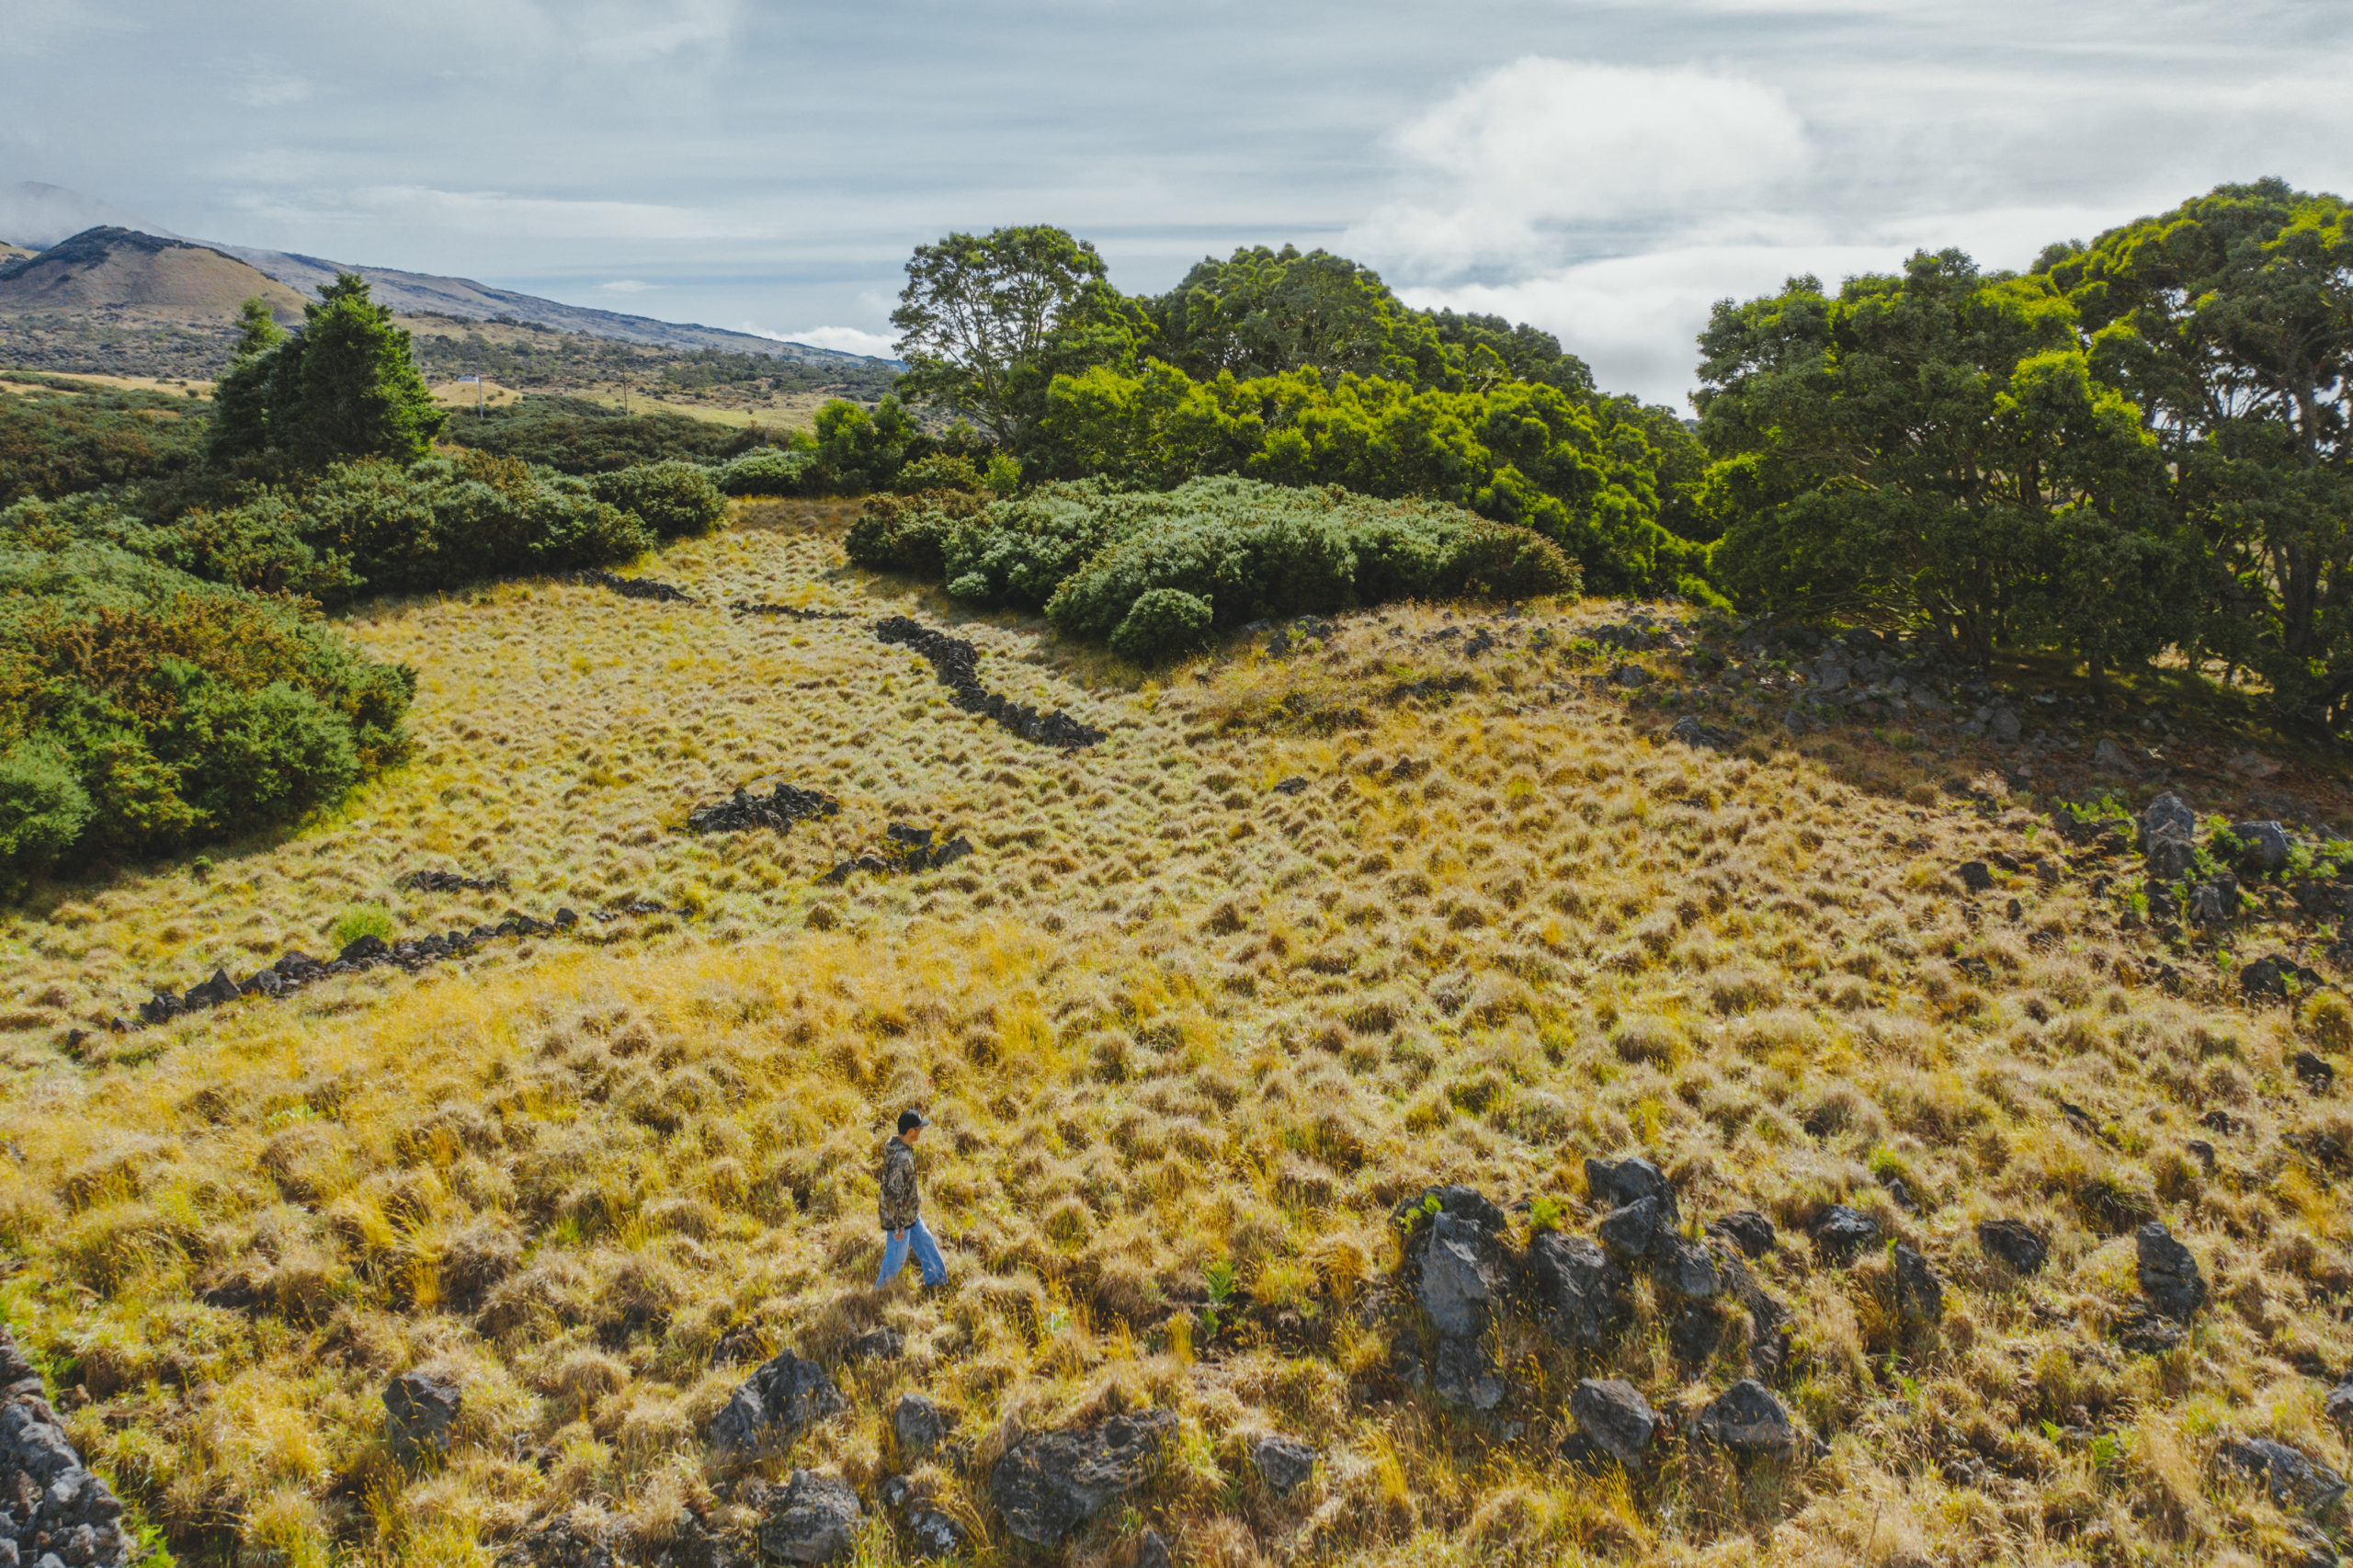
x: 927, y: 1251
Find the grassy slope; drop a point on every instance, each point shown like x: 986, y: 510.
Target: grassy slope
x: 1164, y: 1018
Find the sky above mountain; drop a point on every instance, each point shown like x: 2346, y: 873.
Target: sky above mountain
x: 1604, y: 170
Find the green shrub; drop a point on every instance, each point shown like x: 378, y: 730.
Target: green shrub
x: 768, y: 471
x: 43, y: 808
x: 941, y: 471
x: 676, y: 500
x: 64, y: 439
x: 359, y: 920
x: 1003, y: 476
x: 573, y: 435
x: 1160, y: 623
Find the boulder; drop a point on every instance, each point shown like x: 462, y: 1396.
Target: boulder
x: 919, y: 1425
x: 1283, y: 1463
x: 2338, y: 1407
x: 1974, y: 876
x: 1919, y: 1294
x: 1613, y: 1184
x: 814, y: 1519
x: 1047, y: 1485
x: 419, y: 1412
x: 2214, y: 903
x: 1463, y: 1202
x: 1640, y: 1230
x: 936, y: 1531
x: 2013, y: 1242
x: 2003, y: 726
x: 776, y: 1402
x: 1695, y: 1331
x: 1151, y: 1551
x: 2147, y: 1332
x: 1748, y: 1422
x: 2170, y: 859
x: 1615, y: 1418
x: 1839, y: 1233
x: 1464, y: 1376
x: 53, y: 1509
x: 1684, y: 1270
x: 1580, y: 1291
x: 2294, y: 1478
x: 881, y: 1345
x: 1747, y: 1229
x: 2168, y: 816
x: 2169, y: 1275
x: 1460, y: 1268
x: 2266, y: 844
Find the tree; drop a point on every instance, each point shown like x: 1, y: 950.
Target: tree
x: 344, y: 387
x: 986, y: 321
x: 2230, y: 319
x: 1268, y: 313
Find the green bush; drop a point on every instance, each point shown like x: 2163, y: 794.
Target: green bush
x: 676, y: 500
x: 941, y: 471
x: 1087, y: 552
x: 1162, y: 622
x: 573, y: 435
x: 768, y: 471
x: 69, y: 438
x: 142, y: 709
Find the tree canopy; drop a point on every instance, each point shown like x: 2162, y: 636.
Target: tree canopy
x: 344, y: 387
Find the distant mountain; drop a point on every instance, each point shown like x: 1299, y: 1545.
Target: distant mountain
x: 422, y: 293
x: 122, y: 269
x: 9, y: 252
x: 37, y: 215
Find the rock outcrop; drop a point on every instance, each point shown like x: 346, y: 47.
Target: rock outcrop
x: 1049, y: 1485
x: 53, y: 1512
x: 2169, y: 1274
x: 418, y: 1412
x: 1614, y: 1419
x: 813, y: 1520
x: 957, y: 663
x: 782, y: 1398
x: 778, y: 809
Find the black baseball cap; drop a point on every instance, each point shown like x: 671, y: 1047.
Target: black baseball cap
x: 910, y: 1120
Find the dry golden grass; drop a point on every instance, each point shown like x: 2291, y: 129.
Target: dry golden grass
x: 1166, y: 1020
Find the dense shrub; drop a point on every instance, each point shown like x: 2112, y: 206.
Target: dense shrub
x: 572, y: 435
x: 676, y: 500
x: 1162, y: 622
x: 941, y: 471
x: 766, y: 470
x: 57, y: 442
x: 142, y: 709
x: 1089, y: 553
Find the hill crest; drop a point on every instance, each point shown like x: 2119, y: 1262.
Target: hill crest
x: 114, y: 269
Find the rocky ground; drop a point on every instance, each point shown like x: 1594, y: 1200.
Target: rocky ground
x: 1422, y: 1087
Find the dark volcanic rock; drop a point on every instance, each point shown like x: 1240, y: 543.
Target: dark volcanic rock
x: 1461, y: 1266
x: 2294, y: 1478
x: 1747, y: 1229
x: 1151, y: 1551
x: 1048, y: 1486
x: 1464, y: 1375
x: 2167, y: 814
x: 2338, y: 1407
x: 450, y: 882
x: 1692, y: 733
x: 1839, y: 1233
x: 1643, y: 1230
x: 419, y: 1412
x: 813, y: 1520
x: 2014, y: 1243
x: 1613, y: 1184
x: 2267, y: 844
x: 957, y: 663
x: 1919, y: 1294
x: 1694, y: 1331
x: 1748, y: 1420
x: 1614, y: 1417
x: 52, y: 1510
x: 936, y: 1531
x: 750, y: 607
x: 1580, y: 1289
x: 2147, y: 1333
x: 919, y: 1425
x: 785, y: 1395
x: 1284, y: 1464
x: 2169, y: 1275
x: 1685, y: 1271
x: 633, y: 587
x: 780, y: 808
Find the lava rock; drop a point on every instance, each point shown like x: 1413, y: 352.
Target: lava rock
x: 1616, y: 1183
x: 1692, y: 733
x: 779, y: 808
x: 1046, y: 1487
x: 633, y: 587
x: 883, y: 1345
x: 1151, y: 1551
x: 2170, y: 859
x: 2013, y: 1242
x: 2266, y: 844
x: 1580, y: 1290
x: 2169, y: 815
x: 1290, y: 786
x: 1612, y: 1416
x: 1974, y: 876
x: 1839, y: 1233
x: 1643, y: 1228
x: 53, y: 1509
x: 2338, y: 1407
x: 364, y: 949
x: 2169, y: 1275
x: 2294, y: 1478
x: 1284, y: 1464
x: 1464, y: 1375
x: 814, y: 1519
x: 1919, y: 1294
x: 1460, y: 1268
x: 1749, y: 1422
x: 1747, y: 1229
x: 2317, y: 1075
x: 1685, y: 1271
x: 418, y: 1412
x: 1695, y: 1331
x: 919, y: 1425
x: 936, y: 1531
x: 956, y: 662
x: 2147, y: 1332
x: 1464, y: 1202
x: 782, y: 1397
x: 2214, y: 903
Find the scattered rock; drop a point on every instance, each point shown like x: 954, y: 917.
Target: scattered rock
x: 1048, y: 1486
x: 2317, y: 1075
x: 1839, y: 1233
x: 919, y: 1425
x: 1616, y: 1183
x: 881, y: 1345
x: 2147, y: 1332
x: 2015, y: 1243
x: 1695, y: 1331
x: 1614, y: 1417
x: 1629, y: 676
x: 785, y: 1395
x: 1151, y: 1551
x: 632, y: 587
x: 1747, y: 1229
x: 2214, y: 903
x: 1290, y: 786
x: 780, y: 808
x: 750, y: 607
x: 957, y: 663
x: 1464, y: 1376
x: 2003, y: 726
x: 2169, y: 1275
x: 1581, y: 1292
x: 1974, y: 876
x: 2294, y: 1478
x: 2338, y: 1407
x: 2170, y: 859
x: 813, y: 1520
x: 1284, y: 1464
x: 1684, y: 1271
x: 52, y: 1510
x: 2169, y: 816
x: 1692, y: 733
x: 1919, y: 1294
x: 1749, y: 1422
x: 450, y: 882
x: 2251, y: 765
x: 1639, y: 1230
x: 904, y: 851
x: 419, y: 1412
x: 2266, y: 844
x: 569, y: 1542
x: 2271, y: 980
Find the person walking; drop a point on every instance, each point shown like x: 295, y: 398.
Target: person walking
x: 903, y: 1226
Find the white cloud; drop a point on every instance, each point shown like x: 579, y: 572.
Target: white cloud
x: 627, y: 285
x: 264, y: 91
x: 1505, y: 164
x: 845, y: 339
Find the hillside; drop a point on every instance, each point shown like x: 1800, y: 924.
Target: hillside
x: 9, y: 252
x: 139, y: 275
x: 1348, y: 911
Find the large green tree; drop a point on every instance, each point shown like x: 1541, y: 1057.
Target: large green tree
x: 1934, y: 447
x: 346, y: 386
x: 2230, y: 321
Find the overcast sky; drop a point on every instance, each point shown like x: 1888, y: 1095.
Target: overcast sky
x: 1605, y: 170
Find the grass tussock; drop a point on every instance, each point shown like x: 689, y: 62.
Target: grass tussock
x: 1186, y: 1039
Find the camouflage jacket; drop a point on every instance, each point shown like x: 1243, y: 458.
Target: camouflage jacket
x: 899, y: 1200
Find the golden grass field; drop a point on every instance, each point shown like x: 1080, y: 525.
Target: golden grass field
x: 1166, y: 1020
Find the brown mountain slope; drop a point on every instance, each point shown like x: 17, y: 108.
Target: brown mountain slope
x: 9, y: 252
x: 122, y: 269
